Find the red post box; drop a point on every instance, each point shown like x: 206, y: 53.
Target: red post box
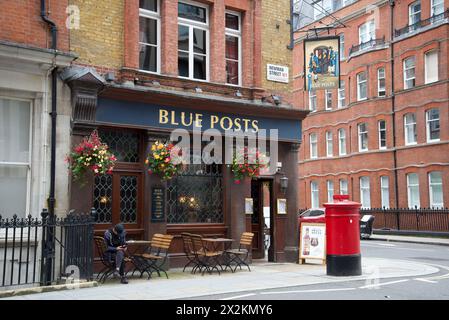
x: 343, y: 256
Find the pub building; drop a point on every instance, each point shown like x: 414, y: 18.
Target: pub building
x: 130, y: 119
x: 146, y: 96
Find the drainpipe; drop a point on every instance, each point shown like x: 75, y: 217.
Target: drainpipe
x: 292, y: 41
x: 48, y: 247
x: 393, y: 100
x: 54, y: 31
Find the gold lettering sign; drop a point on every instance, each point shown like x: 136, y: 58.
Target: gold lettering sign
x: 187, y: 119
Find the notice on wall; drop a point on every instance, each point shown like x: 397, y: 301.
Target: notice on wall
x: 312, y: 243
x: 277, y: 73
x: 157, y: 204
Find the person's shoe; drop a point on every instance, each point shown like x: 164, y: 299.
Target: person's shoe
x: 124, y: 280
x: 116, y: 274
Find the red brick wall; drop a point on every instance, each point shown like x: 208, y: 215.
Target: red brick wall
x: 21, y: 22
x: 422, y: 158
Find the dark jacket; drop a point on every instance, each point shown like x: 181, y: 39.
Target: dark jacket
x: 113, y: 241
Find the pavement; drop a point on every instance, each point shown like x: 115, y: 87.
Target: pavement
x: 263, y: 275
x: 411, y: 239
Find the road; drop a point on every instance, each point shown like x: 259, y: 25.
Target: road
x: 435, y: 286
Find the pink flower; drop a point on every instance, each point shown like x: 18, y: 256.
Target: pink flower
x: 237, y: 181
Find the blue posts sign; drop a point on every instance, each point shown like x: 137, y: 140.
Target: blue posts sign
x: 322, y: 63
x: 153, y: 116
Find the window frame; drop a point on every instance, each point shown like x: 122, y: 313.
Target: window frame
x: 342, y: 46
x: 405, y: 69
x: 311, y: 143
x: 330, y: 197
x: 329, y: 144
x: 340, y: 139
x: 361, y: 187
x: 427, y: 79
x: 341, y: 184
x: 313, y: 192
x: 238, y: 35
x: 370, y: 33
x: 380, y: 130
x: 384, y: 187
x: 428, y: 138
x: 327, y: 101
x: 432, y: 7
x: 28, y: 164
x: 431, y: 200
x: 360, y: 133
x: 413, y: 125
x: 341, y: 97
x: 148, y: 14
x: 359, y: 83
x: 409, y: 186
x: 410, y: 14
x: 192, y: 24
x: 312, y: 96
x: 379, y: 87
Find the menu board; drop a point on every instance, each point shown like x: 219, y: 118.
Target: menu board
x: 312, y: 241
x: 157, y: 204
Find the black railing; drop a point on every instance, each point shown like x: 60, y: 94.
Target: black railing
x: 405, y: 219
x: 367, y: 45
x: 421, y: 24
x: 45, y: 250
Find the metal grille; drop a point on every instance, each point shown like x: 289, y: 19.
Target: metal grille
x: 196, y: 195
x: 123, y: 144
x: 103, y: 199
x: 128, y: 199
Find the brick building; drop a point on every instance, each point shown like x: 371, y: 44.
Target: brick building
x: 383, y: 137
x: 143, y: 68
x: 30, y: 60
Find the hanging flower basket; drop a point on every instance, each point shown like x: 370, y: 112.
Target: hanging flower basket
x: 248, y: 164
x: 91, y: 156
x: 160, y: 160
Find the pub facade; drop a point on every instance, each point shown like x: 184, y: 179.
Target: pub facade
x: 150, y: 67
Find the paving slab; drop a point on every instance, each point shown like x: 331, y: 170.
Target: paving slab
x: 262, y: 276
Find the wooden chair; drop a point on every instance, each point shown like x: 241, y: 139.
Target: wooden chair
x: 107, y: 261
x: 239, y: 256
x: 207, y: 259
x: 189, y: 252
x: 156, y: 255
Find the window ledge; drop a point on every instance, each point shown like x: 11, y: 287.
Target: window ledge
x: 370, y: 49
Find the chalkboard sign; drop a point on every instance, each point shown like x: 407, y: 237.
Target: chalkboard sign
x: 157, y: 204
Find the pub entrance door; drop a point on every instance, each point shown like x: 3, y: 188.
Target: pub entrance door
x: 262, y: 219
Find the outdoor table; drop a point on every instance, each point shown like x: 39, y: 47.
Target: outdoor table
x: 225, y: 244
x: 135, y: 249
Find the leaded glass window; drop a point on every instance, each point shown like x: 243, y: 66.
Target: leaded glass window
x: 196, y: 195
x: 125, y: 145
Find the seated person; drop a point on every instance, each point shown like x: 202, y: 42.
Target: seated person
x: 115, y: 239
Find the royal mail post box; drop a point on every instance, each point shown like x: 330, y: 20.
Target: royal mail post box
x: 343, y: 256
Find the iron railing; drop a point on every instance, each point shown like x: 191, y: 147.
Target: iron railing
x: 405, y: 219
x: 45, y: 250
x: 421, y: 24
x: 367, y: 45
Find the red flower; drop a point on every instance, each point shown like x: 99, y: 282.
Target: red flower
x: 237, y: 181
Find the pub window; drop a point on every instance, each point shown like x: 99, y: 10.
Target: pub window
x: 313, y: 146
x: 329, y: 144
x: 436, y: 189
x: 330, y: 191
x: 414, y: 15
x: 342, y: 46
x: 315, y: 194
x: 312, y: 101
x: 365, y: 194
x: 149, y: 36
x: 385, y: 191
x: 342, y: 142
x: 343, y: 186
x: 233, y: 48
x: 15, y: 157
x: 363, y: 137
x: 125, y: 145
x: 195, y: 195
x: 328, y: 101
x: 193, y: 41
x: 362, y: 90
x: 431, y: 66
x: 437, y: 8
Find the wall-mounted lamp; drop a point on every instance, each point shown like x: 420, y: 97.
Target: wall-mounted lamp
x: 284, y: 184
x: 276, y: 99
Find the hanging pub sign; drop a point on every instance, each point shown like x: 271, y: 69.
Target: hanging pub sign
x: 322, y: 63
